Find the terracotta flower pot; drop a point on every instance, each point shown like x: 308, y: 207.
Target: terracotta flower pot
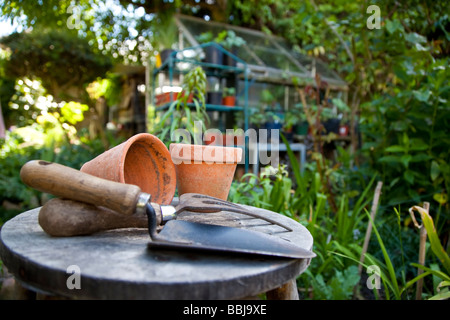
x: 206, y: 170
x: 168, y: 97
x: 229, y: 101
x: 228, y: 140
x: 142, y: 160
x: 343, y: 130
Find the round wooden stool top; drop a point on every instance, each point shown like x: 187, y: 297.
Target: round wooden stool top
x: 117, y: 264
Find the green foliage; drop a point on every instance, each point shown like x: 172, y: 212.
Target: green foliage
x: 407, y: 140
x: 338, y: 287
x: 16, y: 150
x: 108, y: 87
x: 272, y: 190
x: 50, y: 12
x: 167, y: 33
x: 179, y: 115
x: 72, y: 112
x: 397, y: 75
x: 228, y: 39
x: 300, y: 197
x: 59, y: 58
x: 394, y: 286
x: 229, y: 92
x: 433, y: 237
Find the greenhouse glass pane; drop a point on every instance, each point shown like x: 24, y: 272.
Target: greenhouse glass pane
x: 262, y: 50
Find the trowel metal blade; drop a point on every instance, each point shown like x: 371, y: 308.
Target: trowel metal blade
x: 179, y: 234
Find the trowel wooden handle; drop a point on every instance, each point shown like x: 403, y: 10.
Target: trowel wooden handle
x: 67, y: 218
x: 68, y: 183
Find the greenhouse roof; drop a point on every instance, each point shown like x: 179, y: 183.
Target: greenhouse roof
x: 268, y: 58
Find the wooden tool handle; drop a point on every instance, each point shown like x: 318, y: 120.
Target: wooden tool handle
x: 68, y: 183
x: 67, y: 218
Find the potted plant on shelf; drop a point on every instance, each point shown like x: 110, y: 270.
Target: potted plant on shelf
x: 289, y: 121
x: 229, y: 97
x: 179, y: 115
x: 272, y: 110
x: 273, y: 122
x: 230, y: 42
x: 343, y: 109
x: 257, y: 118
x: 330, y: 121
x: 301, y: 125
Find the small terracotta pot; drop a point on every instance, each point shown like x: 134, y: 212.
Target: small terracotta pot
x: 229, y: 101
x: 343, y: 130
x: 142, y: 160
x: 206, y: 170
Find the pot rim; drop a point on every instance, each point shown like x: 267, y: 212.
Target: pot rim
x: 169, y: 168
x: 144, y: 137
x: 181, y: 152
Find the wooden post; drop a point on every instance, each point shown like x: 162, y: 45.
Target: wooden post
x: 287, y: 291
x: 373, y: 212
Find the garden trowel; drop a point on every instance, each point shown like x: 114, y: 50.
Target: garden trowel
x: 68, y: 183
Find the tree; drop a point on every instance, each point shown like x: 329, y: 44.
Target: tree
x: 64, y: 62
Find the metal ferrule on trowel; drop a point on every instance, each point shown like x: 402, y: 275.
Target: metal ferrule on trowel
x: 163, y: 213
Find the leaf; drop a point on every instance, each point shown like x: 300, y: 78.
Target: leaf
x: 389, y: 159
x: 435, y: 170
x: 418, y: 145
x: 433, y: 237
x: 405, y: 159
x: 294, y: 162
x: 414, y: 37
x: 395, y: 148
x: 389, y: 266
x: 72, y: 112
x: 422, y: 96
x: 400, y: 125
x: 441, y: 198
x: 409, y: 176
x: 441, y: 296
x: 405, y: 139
x: 409, y: 68
x: 393, y: 26
x: 341, y: 105
x: 420, y: 157
x: 436, y: 273
x: 393, y: 182
x: 420, y: 47
x: 443, y: 284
